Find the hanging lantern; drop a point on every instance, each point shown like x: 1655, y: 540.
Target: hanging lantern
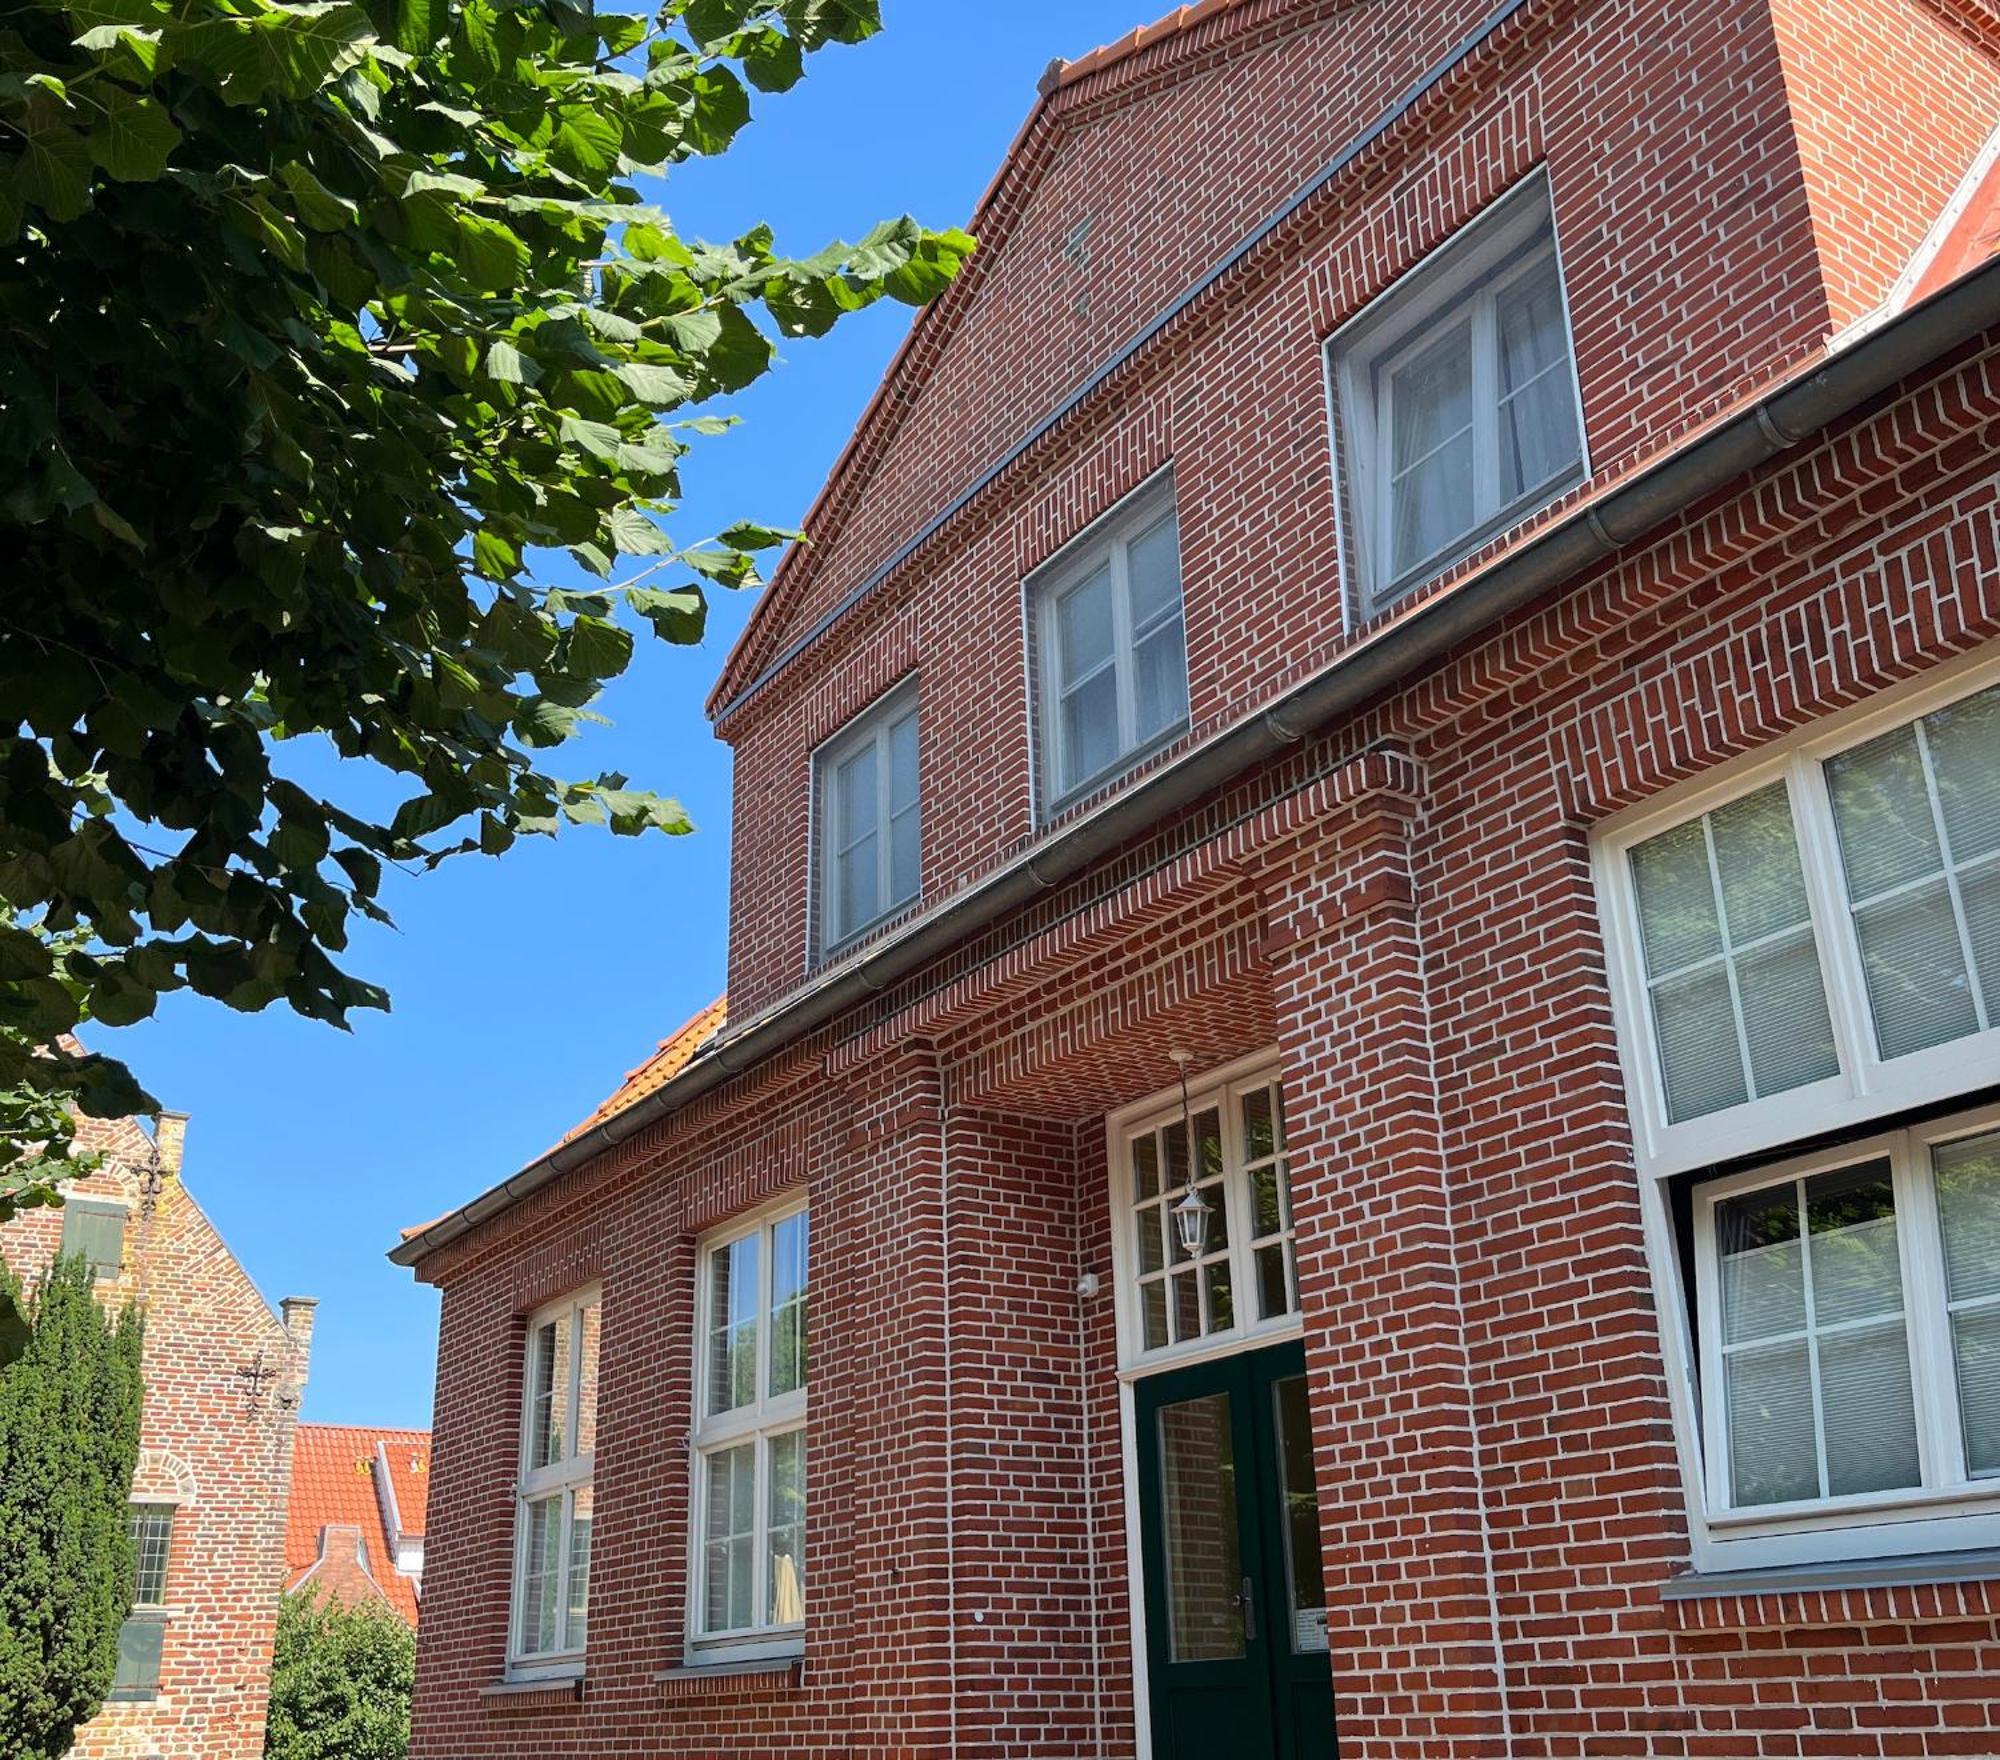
x: 1191, y: 1214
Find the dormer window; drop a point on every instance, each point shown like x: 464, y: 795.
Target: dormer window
x: 870, y: 820
x: 1457, y: 393
x: 1111, y: 646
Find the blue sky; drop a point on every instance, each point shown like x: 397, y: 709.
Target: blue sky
x: 525, y: 987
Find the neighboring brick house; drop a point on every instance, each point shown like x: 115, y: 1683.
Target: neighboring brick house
x: 1366, y: 918
x: 223, y: 1379
x: 358, y: 1506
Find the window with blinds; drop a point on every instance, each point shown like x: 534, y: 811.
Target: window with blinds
x: 1849, y: 1319
x: 1817, y: 945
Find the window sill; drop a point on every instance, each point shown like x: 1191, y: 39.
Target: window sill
x: 710, y: 1680
x: 548, y: 1692
x: 1914, y: 1588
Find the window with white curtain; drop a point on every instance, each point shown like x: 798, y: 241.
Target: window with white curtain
x: 870, y: 818
x: 748, y: 1587
x: 558, y: 1445
x: 1818, y: 941
x: 1849, y: 1323
x: 1458, y: 401
x: 1111, y: 645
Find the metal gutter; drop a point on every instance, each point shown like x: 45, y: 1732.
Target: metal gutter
x: 1439, y: 71
x: 1797, y: 410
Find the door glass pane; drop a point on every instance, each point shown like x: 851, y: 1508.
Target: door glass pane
x: 1305, y: 1578
x: 1430, y: 488
x: 729, y: 1539
x: 732, y: 1338
x: 1967, y: 1179
x: 1537, y: 400
x: 788, y: 1305
x: 787, y: 1604
x: 1202, y: 1549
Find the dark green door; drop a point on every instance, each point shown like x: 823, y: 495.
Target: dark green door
x: 1229, y: 1530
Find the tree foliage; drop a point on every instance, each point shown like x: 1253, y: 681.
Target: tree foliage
x: 340, y: 1682
x: 69, y: 1440
x: 326, y: 324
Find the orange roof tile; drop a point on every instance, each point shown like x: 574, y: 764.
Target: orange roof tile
x: 1974, y: 236
x: 1064, y: 73
x: 335, y: 1485
x: 675, y: 1053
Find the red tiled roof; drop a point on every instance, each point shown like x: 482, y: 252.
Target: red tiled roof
x: 1064, y: 73
x: 675, y: 1053
x: 335, y: 1485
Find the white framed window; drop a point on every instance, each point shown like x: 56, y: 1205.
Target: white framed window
x: 747, y: 1582
x: 1110, y: 645
x: 1457, y: 397
x: 555, y: 1505
x: 1245, y: 1283
x: 142, y: 1636
x: 868, y: 805
x: 1847, y: 1312
x: 1812, y: 940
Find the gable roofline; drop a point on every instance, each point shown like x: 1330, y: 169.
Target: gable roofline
x: 1173, y: 45
x: 1826, y: 388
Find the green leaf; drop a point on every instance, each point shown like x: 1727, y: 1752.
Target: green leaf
x: 636, y: 535
x: 586, y: 141
x: 292, y: 49
x: 136, y: 137
x: 677, y: 614
x: 317, y: 205
x: 509, y: 366
x: 489, y: 254
x: 594, y: 647
x: 495, y: 555
x: 599, y: 439
x: 53, y: 171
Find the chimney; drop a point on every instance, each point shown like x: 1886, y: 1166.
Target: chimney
x: 298, y: 1312
x: 169, y: 1133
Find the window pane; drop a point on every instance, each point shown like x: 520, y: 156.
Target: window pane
x: 547, y: 1373
x: 857, y: 806
x: 1979, y: 894
x: 98, y: 1234
x: 1431, y: 491
x: 1154, y: 561
x: 788, y: 1305
x: 1273, y: 1290
x: 1153, y: 1314
x: 1160, y: 680
x: 1968, y: 1198
x: 1090, y: 740
x: 140, y: 1641
x: 586, y: 1385
x: 542, y: 1582
x: 1883, y: 813
x: 1772, y: 1458
x: 1221, y: 1295
x: 1763, y: 1266
x: 152, y: 1528
x: 1259, y: 1127
x: 1537, y: 402
x: 1965, y: 759
x: 1871, y: 1426
x: 1084, y: 639
x: 906, y: 872
x: 858, y: 887
x: 578, y: 1598
x: 732, y: 1342
x: 1856, y: 1273
x: 1152, y: 1218
x: 1145, y: 1167
x: 787, y: 1516
x: 1918, y: 991
x: 903, y: 764
x: 1739, y: 1004
x: 729, y: 1539
x: 1975, y: 1346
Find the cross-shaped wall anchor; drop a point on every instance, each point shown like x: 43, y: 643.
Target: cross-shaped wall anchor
x: 256, y: 1376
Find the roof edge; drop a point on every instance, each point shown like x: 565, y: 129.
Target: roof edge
x: 1827, y: 389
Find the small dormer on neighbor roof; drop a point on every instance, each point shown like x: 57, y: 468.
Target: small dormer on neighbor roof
x: 359, y: 1498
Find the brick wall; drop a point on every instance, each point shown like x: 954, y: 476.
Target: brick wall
x: 208, y: 1445
x: 1400, y: 911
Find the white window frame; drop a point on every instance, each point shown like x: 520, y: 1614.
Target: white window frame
x: 1950, y: 1510
x: 565, y: 1478
x: 1109, y: 538
x: 1868, y: 1087
x: 763, y: 1420
x: 1221, y: 1089
x: 873, y: 726
x: 1460, y: 279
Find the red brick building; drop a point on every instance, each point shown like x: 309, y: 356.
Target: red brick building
x: 1365, y: 961
x: 223, y: 1378
x: 355, y: 1530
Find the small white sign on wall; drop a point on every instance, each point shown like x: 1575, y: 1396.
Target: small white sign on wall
x: 1309, y: 1631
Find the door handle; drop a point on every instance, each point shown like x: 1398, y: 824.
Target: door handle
x: 1246, y: 1598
